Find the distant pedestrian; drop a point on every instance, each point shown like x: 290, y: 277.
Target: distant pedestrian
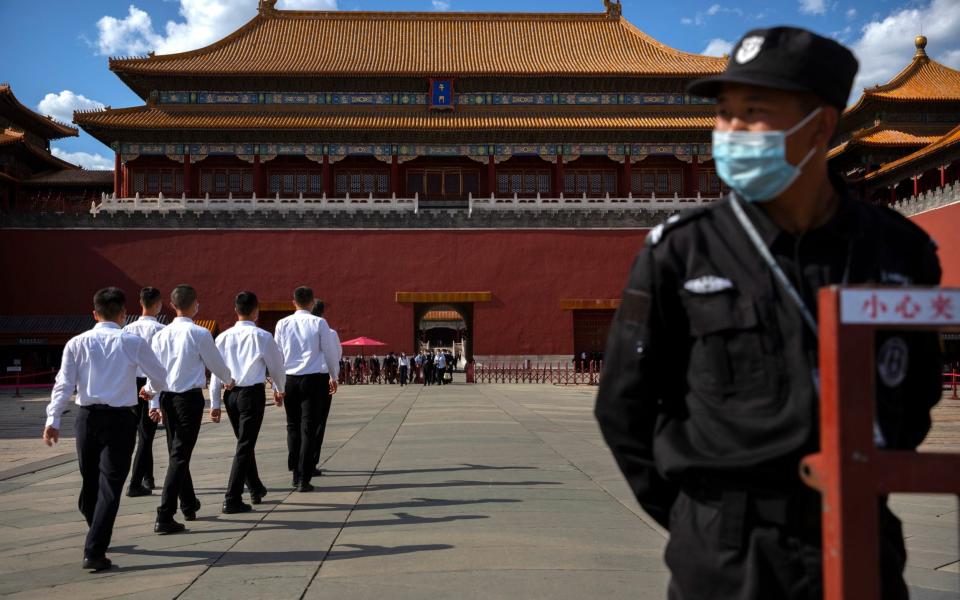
x: 404, y: 368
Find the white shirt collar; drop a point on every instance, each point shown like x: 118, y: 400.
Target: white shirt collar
x: 245, y: 324
x: 106, y: 325
x: 303, y: 311
x: 147, y: 318
x: 183, y: 320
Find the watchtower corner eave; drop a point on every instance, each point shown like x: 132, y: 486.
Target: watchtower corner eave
x: 502, y: 45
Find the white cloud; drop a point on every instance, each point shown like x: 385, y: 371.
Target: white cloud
x: 813, y: 7
x: 887, y: 44
x: 441, y: 5
x: 843, y: 34
x: 61, y: 106
x: 93, y: 162
x: 717, y: 47
x: 702, y: 17
x: 204, y: 22
x: 852, y: 14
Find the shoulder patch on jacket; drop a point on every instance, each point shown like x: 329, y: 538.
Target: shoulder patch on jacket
x: 657, y: 233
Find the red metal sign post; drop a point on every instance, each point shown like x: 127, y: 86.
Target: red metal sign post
x: 850, y: 471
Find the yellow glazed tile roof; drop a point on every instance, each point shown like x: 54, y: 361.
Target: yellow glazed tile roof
x: 351, y: 43
x: 949, y: 141
x: 47, y: 127
x: 922, y: 79
x: 146, y: 117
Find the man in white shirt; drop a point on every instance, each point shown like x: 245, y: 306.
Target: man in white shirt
x: 101, y: 366
x: 141, y: 476
x: 311, y: 361
x: 404, y: 368
x: 318, y: 308
x: 186, y: 350
x: 250, y: 353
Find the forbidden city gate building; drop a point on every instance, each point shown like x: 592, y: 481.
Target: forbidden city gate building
x: 389, y: 158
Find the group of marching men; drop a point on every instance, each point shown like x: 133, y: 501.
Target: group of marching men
x: 129, y: 379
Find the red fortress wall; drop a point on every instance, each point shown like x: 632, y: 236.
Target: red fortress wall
x: 356, y: 272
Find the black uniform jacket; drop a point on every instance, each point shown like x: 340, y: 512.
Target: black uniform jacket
x: 710, y: 369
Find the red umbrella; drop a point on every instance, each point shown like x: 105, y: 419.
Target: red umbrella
x: 362, y: 342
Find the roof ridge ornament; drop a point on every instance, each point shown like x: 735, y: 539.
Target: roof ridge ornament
x: 267, y: 7
x: 613, y: 8
x: 921, y: 43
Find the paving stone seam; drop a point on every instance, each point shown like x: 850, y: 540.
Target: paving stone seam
x: 267, y: 513
x: 520, y: 408
x: 366, y: 484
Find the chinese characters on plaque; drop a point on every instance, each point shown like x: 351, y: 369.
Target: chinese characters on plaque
x: 441, y: 94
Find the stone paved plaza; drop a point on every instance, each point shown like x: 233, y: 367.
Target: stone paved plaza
x: 495, y: 491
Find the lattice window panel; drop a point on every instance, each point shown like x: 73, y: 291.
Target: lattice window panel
x: 676, y: 183
x: 301, y: 183
x: 609, y: 183
x: 569, y: 183
x: 153, y: 183
x: 206, y: 183
x: 369, y: 183
x: 355, y: 183
x: 529, y: 183
x: 543, y: 183
x: 220, y: 183
x: 247, y: 182
x: 274, y: 184
x: 383, y: 183
x: 503, y: 183
x: 288, y: 183
x: 178, y: 182
x: 138, y: 183
x: 316, y: 183
x: 166, y: 183
x: 342, y: 183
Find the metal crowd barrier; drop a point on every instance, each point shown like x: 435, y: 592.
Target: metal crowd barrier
x: 526, y: 372
x: 850, y: 472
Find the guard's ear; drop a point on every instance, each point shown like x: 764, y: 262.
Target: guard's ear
x: 828, y: 120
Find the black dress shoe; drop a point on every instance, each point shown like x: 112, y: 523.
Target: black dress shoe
x: 97, y: 564
x: 190, y: 512
x: 256, y: 496
x: 165, y: 527
x: 230, y: 508
x: 318, y: 472
x: 149, y: 484
x: 305, y: 487
x: 137, y: 491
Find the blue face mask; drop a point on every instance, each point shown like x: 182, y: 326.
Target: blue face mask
x: 754, y: 163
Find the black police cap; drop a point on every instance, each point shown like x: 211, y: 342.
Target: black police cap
x: 790, y: 59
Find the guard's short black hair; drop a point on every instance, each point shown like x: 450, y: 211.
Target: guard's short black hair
x: 303, y: 296
x: 149, y: 296
x: 246, y: 303
x: 109, y: 302
x: 318, y: 308
x: 183, y: 296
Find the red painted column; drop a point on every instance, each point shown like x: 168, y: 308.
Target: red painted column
x: 187, y: 168
x: 943, y: 175
x: 325, y: 174
x: 258, y: 188
x: 117, y: 175
x: 627, y: 177
x: 491, y: 175
x: 125, y: 181
x: 916, y: 185
x: 559, y: 175
x: 893, y: 193
x: 395, y: 175
x: 695, y: 175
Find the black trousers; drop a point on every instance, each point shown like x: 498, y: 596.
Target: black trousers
x: 182, y: 415
x: 712, y: 556
x: 245, y: 408
x: 304, y: 401
x: 146, y: 431
x: 403, y: 375
x: 105, y: 440
x: 427, y: 375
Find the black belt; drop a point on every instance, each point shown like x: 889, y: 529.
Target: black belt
x: 101, y: 407
x: 247, y: 387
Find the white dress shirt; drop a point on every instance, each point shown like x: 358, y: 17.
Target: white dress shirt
x: 404, y: 361
x: 250, y: 353
x: 336, y: 342
x: 145, y: 327
x: 101, y: 365
x: 307, y: 342
x: 185, y: 348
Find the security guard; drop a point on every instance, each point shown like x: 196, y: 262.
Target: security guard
x: 709, y: 396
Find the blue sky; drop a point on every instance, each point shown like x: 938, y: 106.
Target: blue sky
x: 54, y: 52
